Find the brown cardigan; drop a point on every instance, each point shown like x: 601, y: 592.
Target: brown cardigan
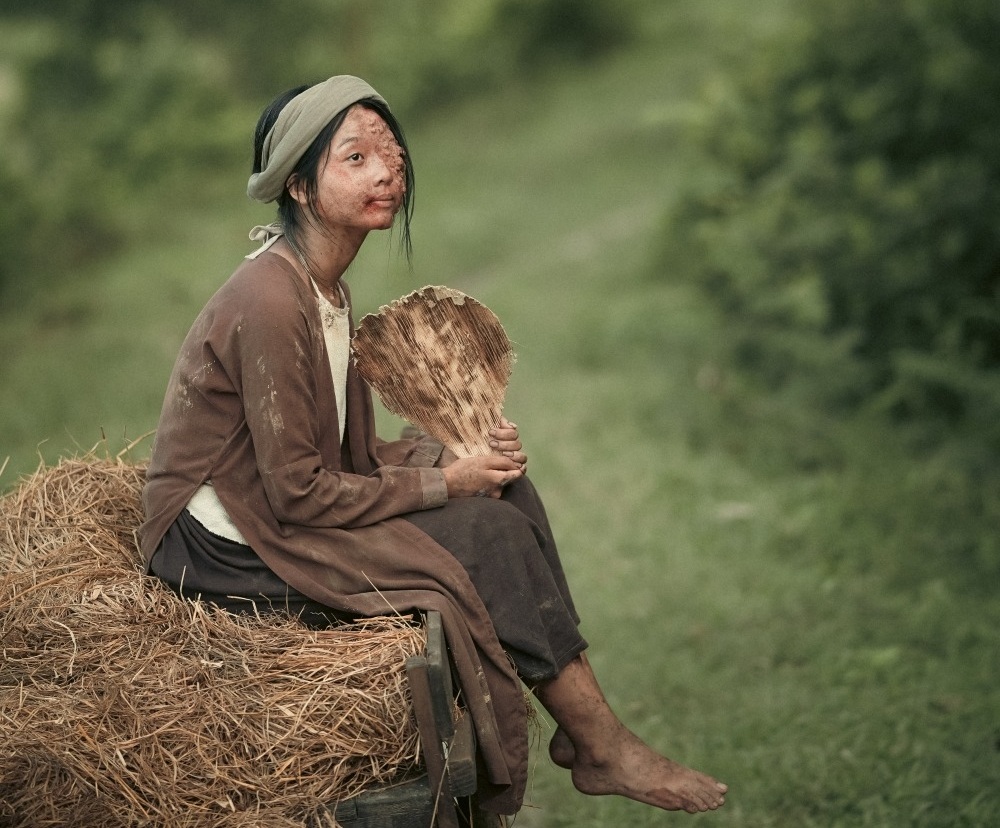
x: 250, y: 405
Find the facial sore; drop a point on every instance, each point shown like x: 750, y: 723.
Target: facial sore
x: 389, y: 151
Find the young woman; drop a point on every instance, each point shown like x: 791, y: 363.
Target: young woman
x: 268, y: 489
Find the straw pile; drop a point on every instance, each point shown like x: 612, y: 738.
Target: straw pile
x: 440, y: 360
x: 121, y: 704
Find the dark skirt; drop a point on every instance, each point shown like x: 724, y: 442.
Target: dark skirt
x: 505, y: 545
x: 200, y: 565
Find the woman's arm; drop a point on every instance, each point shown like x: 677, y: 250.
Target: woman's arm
x: 295, y: 443
x: 422, y: 450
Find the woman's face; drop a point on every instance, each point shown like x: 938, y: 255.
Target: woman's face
x: 362, y: 182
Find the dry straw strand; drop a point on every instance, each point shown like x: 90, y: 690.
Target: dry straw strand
x: 440, y: 360
x: 122, y: 705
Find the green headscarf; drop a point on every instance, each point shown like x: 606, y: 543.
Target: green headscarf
x: 297, y: 126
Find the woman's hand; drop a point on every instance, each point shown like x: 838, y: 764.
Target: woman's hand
x: 486, y: 476
x: 480, y: 476
x: 506, y: 442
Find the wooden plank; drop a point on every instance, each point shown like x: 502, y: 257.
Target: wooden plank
x: 408, y: 805
x: 439, y: 676
x: 430, y: 742
x: 461, y: 762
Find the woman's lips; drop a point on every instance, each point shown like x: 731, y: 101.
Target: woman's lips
x: 387, y: 202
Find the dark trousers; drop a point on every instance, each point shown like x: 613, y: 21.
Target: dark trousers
x: 507, y: 548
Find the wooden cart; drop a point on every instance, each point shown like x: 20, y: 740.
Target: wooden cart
x: 445, y: 796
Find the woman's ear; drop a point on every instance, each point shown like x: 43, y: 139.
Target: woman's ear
x: 296, y: 190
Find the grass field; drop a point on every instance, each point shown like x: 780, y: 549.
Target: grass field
x: 771, y: 594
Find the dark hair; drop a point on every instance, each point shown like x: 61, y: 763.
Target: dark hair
x: 307, y: 169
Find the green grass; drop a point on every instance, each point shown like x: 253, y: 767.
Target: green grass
x: 791, y: 602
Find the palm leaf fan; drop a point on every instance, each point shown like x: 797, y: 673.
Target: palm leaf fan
x: 440, y: 360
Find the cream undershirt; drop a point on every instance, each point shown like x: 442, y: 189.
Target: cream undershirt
x: 205, y: 505
x: 337, y: 333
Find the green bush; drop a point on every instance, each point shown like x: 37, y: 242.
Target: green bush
x: 852, y: 233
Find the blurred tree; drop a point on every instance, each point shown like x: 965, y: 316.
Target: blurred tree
x: 852, y: 233
x: 109, y: 108
x: 109, y: 101
x: 575, y: 29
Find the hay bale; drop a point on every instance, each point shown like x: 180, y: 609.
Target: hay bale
x: 121, y: 704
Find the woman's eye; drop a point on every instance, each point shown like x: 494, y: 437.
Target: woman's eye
x: 356, y: 156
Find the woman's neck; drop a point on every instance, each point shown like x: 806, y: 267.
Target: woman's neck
x: 322, y: 260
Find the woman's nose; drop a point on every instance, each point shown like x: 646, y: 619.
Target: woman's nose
x: 382, y: 170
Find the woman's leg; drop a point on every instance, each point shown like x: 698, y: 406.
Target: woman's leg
x: 511, y: 558
x: 605, y: 757
x: 507, y: 550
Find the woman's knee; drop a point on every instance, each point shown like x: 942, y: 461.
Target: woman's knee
x: 504, y: 522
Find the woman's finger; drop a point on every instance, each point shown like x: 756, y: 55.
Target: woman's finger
x: 518, y: 457
x: 505, y: 480
x: 505, y: 431
x: 499, y: 435
x: 500, y: 462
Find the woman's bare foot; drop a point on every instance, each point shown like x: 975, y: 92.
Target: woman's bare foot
x: 605, y: 757
x: 628, y: 767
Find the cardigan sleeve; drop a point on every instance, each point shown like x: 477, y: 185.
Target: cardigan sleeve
x: 277, y: 362
x: 422, y: 450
